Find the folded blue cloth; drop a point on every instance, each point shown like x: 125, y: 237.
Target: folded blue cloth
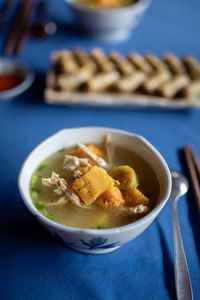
x: 33, y: 265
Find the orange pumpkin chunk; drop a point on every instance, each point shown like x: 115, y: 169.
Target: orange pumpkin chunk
x: 79, y: 152
x: 110, y: 199
x: 134, y: 197
x: 92, y: 184
x: 95, y: 150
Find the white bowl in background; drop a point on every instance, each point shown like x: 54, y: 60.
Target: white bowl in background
x: 95, y: 241
x: 113, y: 25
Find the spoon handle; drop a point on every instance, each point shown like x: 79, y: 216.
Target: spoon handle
x: 182, y: 277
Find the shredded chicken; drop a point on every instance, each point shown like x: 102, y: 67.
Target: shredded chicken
x: 63, y: 200
x: 130, y: 211
x: 59, y: 184
x: 140, y: 209
x: 61, y: 188
x: 109, y: 146
x: 73, y: 162
x: 99, y: 161
x: 77, y: 174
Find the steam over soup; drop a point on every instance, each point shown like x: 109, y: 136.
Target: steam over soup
x: 94, y: 186
x: 105, y: 4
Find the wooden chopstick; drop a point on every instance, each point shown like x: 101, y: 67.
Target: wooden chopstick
x: 3, y: 12
x: 17, y: 26
x: 194, y: 171
x: 25, y: 30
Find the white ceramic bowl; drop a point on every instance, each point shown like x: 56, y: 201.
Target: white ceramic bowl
x: 92, y: 240
x: 112, y: 25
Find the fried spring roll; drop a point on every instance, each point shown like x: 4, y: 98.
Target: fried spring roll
x: 174, y: 63
x: 122, y: 64
x: 140, y: 63
x: 193, y: 67
x: 51, y: 79
x: 64, y: 62
x: 170, y: 88
x: 192, y: 90
x: 156, y: 63
x: 71, y: 82
x: 84, y: 59
x: 155, y: 81
x: 131, y: 82
x: 65, y: 82
x: 102, y: 81
x: 101, y: 60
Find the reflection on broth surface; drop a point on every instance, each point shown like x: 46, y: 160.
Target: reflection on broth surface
x: 106, y: 4
x: 95, y: 216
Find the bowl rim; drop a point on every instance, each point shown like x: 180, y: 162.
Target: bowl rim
x: 84, y: 8
x: 150, y: 216
x: 24, y: 85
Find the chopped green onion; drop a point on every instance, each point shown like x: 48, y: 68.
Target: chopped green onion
x: 50, y: 217
x: 39, y: 205
x: 42, y: 166
x: 34, y: 189
x: 61, y: 150
x: 100, y: 227
x: 34, y: 195
x: 34, y: 180
x: 76, y: 147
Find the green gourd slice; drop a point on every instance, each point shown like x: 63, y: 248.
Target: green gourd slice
x: 126, y: 177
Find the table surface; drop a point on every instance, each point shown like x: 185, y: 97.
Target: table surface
x: 35, y: 266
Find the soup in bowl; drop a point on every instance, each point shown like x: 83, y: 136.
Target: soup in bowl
x: 105, y: 4
x: 95, y: 188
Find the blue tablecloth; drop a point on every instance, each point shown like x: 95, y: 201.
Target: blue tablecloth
x: 35, y: 266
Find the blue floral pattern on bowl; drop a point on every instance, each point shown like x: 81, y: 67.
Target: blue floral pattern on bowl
x: 94, y: 243
x: 99, y: 243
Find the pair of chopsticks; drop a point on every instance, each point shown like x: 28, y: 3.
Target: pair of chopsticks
x: 3, y: 12
x: 20, y: 28
x: 194, y: 171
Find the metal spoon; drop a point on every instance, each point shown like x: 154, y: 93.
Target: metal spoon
x: 182, y: 278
